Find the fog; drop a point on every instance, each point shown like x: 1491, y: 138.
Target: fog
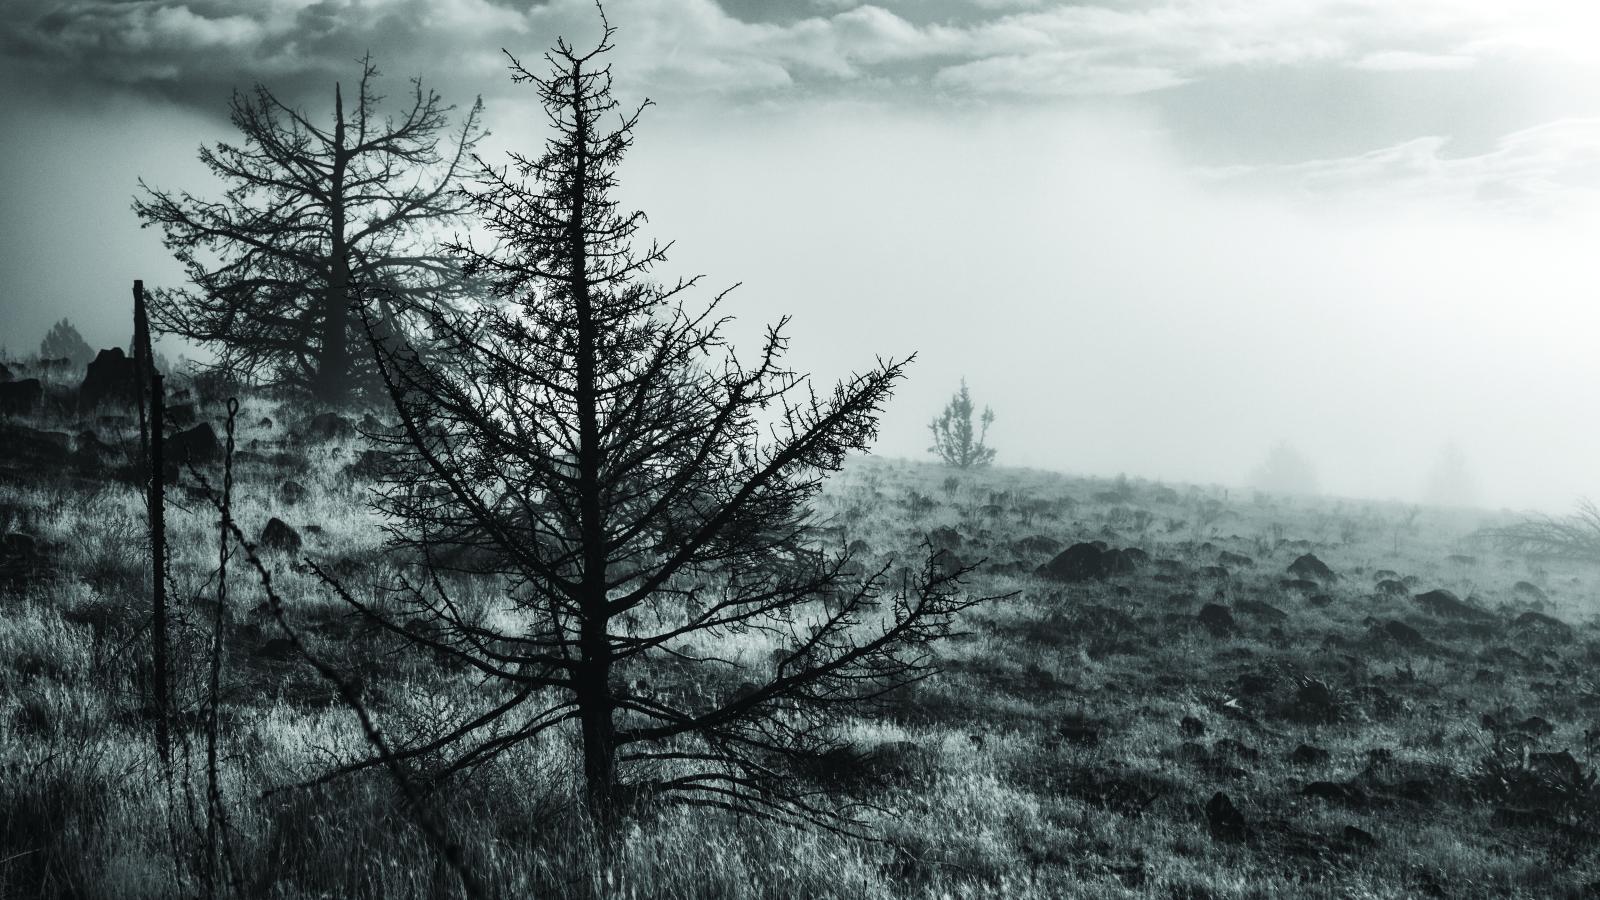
x: 1125, y: 303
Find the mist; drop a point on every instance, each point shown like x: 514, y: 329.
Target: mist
x: 1125, y: 303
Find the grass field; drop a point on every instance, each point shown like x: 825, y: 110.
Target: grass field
x: 1364, y: 744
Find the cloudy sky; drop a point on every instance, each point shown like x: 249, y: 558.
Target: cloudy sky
x: 1157, y: 236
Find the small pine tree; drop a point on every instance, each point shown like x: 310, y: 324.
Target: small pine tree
x: 63, y: 341
x: 955, y: 439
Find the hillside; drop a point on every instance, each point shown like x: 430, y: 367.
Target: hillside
x: 1251, y: 697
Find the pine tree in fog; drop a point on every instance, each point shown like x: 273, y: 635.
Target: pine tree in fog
x: 63, y: 341
x: 316, y: 218
x: 955, y: 439
x: 643, y: 495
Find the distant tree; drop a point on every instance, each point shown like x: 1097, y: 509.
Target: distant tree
x: 1285, y: 471
x: 955, y: 439
x: 1451, y: 482
x: 63, y: 341
x: 315, y: 220
x: 645, y: 497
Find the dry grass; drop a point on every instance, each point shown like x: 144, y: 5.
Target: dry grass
x: 1000, y: 796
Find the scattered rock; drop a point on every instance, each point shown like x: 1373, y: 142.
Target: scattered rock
x: 21, y: 398
x: 197, y: 445
x: 1308, y: 566
x: 1334, y: 792
x: 1224, y: 819
x: 1401, y: 633
x: 939, y: 538
x: 1538, y: 623
x: 110, y: 378
x: 1080, y: 562
x: 1528, y: 591
x: 1216, y: 618
x: 280, y: 536
x: 1307, y: 755
x: 292, y: 492
x: 1259, y: 610
x: 1446, y: 605
x: 1392, y: 587
x: 329, y: 425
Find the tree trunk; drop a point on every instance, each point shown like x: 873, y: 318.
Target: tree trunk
x: 593, y: 681
x: 332, y: 384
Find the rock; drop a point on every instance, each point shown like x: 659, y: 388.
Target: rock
x: 280, y: 536
x: 1307, y: 755
x: 1538, y: 623
x: 292, y: 492
x: 1386, y: 575
x: 1259, y: 610
x: 1224, y: 820
x: 1528, y: 591
x: 1308, y: 566
x: 1079, y: 732
x: 180, y: 415
x: 1334, y: 792
x: 1216, y: 618
x: 1391, y: 587
x: 1217, y: 572
x: 1320, y: 600
x: 375, y: 464
x: 1236, y: 560
x: 1080, y: 562
x: 112, y: 377
x: 1123, y: 562
x: 1191, y: 727
x: 329, y: 425
x: 858, y: 547
x: 44, y: 449
x: 20, y: 559
x: 197, y: 445
x: 1446, y: 605
x: 941, y: 538
x: 266, y: 422
x: 1237, y: 749
x: 21, y: 398
x: 1357, y: 837
x: 1401, y: 633
x: 5, y: 373
x: 948, y: 562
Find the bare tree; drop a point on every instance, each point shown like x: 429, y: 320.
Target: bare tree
x: 955, y: 439
x: 315, y: 219
x: 644, y: 497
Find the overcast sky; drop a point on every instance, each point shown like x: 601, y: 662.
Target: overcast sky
x: 1157, y: 237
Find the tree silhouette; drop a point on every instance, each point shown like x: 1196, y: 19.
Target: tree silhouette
x: 1285, y: 471
x: 954, y: 438
x: 314, y: 220
x: 643, y: 496
x: 63, y: 341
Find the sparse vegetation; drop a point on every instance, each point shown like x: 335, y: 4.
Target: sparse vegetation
x: 955, y: 439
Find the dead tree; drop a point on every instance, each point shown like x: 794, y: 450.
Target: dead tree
x: 644, y: 497
x: 314, y: 220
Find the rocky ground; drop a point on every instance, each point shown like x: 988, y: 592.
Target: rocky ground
x: 1184, y: 692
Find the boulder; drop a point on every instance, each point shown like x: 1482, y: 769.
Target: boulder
x: 1224, y: 820
x: 329, y: 425
x: 1308, y: 566
x: 1446, y: 605
x: 1537, y: 623
x: 278, y: 535
x: 1080, y: 562
x: 1216, y: 618
x: 292, y: 492
x: 1528, y: 591
x: 110, y: 378
x: 21, y: 398
x: 196, y: 445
